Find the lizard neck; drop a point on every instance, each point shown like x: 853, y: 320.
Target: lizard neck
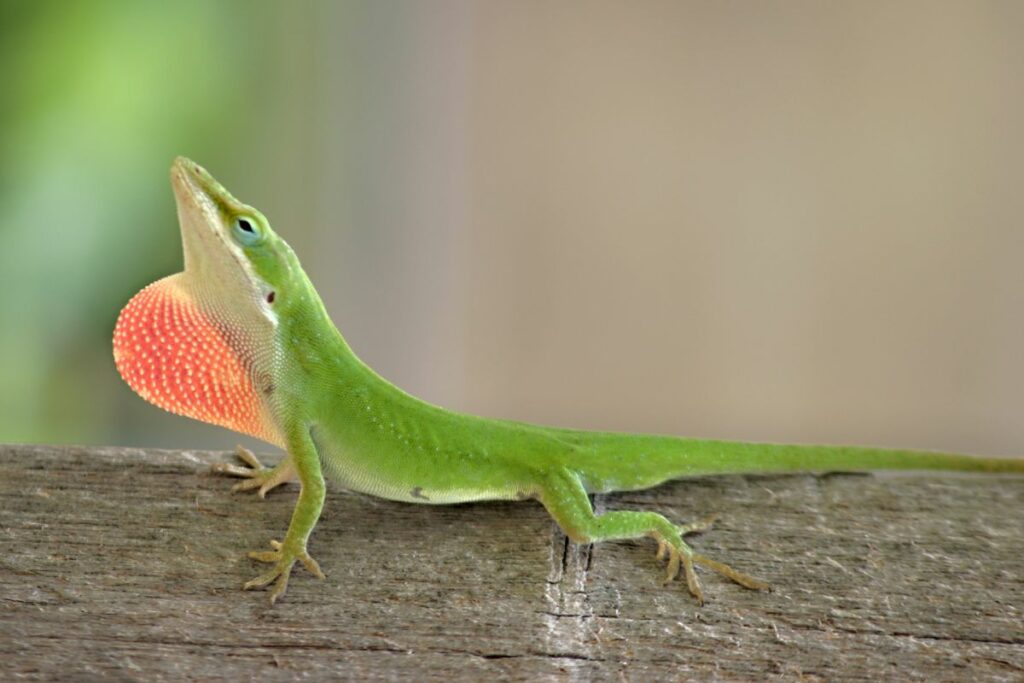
x: 314, y: 363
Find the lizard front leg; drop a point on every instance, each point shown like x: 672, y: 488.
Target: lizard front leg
x: 256, y: 475
x: 302, y: 453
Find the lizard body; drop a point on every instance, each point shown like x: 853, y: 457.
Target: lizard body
x: 241, y: 339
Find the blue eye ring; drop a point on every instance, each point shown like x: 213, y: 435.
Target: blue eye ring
x: 246, y: 230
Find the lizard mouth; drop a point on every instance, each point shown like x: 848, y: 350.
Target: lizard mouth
x: 194, y: 186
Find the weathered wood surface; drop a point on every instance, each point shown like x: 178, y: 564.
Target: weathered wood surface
x: 125, y: 564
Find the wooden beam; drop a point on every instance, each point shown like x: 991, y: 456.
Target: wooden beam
x: 126, y: 563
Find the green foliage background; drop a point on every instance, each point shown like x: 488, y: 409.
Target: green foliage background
x: 97, y: 97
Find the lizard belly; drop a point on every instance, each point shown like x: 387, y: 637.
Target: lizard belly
x: 409, y: 490
x: 411, y: 478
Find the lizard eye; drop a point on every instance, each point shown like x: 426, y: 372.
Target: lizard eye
x: 246, y: 231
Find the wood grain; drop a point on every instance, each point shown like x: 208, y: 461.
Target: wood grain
x: 125, y: 564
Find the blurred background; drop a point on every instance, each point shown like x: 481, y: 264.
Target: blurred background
x: 784, y: 221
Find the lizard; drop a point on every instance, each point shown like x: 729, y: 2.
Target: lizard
x: 241, y: 339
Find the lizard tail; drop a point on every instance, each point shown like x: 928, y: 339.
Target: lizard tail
x: 609, y: 462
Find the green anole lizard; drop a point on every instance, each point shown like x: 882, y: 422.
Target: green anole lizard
x: 241, y: 339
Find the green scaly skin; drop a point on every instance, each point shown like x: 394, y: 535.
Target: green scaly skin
x: 338, y: 419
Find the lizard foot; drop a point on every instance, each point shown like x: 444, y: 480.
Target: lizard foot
x: 256, y: 475
x: 283, y: 558
x: 684, y: 556
x: 697, y: 527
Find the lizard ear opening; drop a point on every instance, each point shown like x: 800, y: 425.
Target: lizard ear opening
x: 174, y: 356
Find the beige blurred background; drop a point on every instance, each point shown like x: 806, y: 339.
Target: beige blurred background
x: 784, y: 221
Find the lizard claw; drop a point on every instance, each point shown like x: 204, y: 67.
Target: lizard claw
x: 256, y: 475
x: 684, y: 556
x: 283, y: 559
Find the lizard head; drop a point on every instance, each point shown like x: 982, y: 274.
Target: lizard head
x: 229, y: 245
x: 204, y: 343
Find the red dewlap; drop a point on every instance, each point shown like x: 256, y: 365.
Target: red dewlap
x: 175, y: 357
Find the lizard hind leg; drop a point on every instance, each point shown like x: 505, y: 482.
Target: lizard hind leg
x: 256, y: 476
x: 566, y: 500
